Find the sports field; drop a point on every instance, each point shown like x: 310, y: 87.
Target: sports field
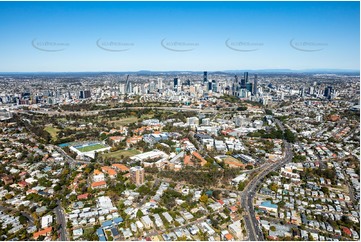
x: 119, y: 153
x: 91, y: 147
x: 233, y: 162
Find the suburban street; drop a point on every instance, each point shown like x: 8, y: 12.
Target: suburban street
x: 61, y: 221
x: 28, y: 216
x: 253, y: 230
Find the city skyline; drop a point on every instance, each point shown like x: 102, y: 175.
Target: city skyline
x: 174, y: 36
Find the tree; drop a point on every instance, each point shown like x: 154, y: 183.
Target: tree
x: 41, y: 238
x: 144, y: 190
x: 182, y: 238
x: 273, y: 187
x: 140, y: 214
x: 325, y: 190
x: 281, y: 204
x: 273, y: 228
x: 289, y: 136
x: 268, y: 112
x: 204, y: 198
x: 242, y: 108
x: 217, y: 194
x: 23, y: 219
x: 72, y: 198
x: 249, y: 167
x: 241, y: 186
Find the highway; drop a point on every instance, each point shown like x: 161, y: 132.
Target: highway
x: 96, y: 112
x: 251, y: 223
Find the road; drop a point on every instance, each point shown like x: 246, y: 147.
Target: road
x: 68, y: 158
x: 59, y: 212
x: 96, y: 112
x: 28, y: 216
x: 251, y: 223
x: 62, y: 221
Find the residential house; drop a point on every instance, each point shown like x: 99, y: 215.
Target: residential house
x: 98, y: 176
x: 99, y: 185
x: 44, y: 232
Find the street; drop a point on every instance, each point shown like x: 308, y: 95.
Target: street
x: 252, y: 227
x: 62, y: 221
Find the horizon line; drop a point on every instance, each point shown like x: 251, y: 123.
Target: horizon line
x: 239, y: 70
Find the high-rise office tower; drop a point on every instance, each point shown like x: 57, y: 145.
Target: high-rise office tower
x: 249, y: 87
x: 205, y: 77
x: 84, y: 94
x: 175, y: 83
x: 235, y: 86
x: 122, y: 88
x: 214, y: 86
x: 160, y: 83
x: 152, y: 86
x: 128, y: 85
x: 137, y: 175
x: 243, y: 83
x: 311, y: 90
x: 210, y: 86
x: 255, y: 87
x: 328, y: 91
x: 302, y: 91
x: 246, y: 77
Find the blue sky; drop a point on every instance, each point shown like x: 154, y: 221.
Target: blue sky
x: 261, y: 35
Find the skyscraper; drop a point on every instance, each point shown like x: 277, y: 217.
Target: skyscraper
x: 137, y: 175
x: 175, y: 83
x: 160, y: 83
x: 152, y: 86
x: 255, y: 83
x: 249, y: 87
x: 302, y: 91
x: 214, y: 86
x: 205, y: 77
x: 311, y: 89
x: 128, y: 85
x: 246, y: 77
x: 235, y: 86
x: 84, y: 94
x: 328, y: 91
x: 243, y: 83
x: 122, y: 88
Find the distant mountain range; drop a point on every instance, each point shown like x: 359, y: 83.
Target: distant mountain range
x: 148, y: 72
x: 310, y: 71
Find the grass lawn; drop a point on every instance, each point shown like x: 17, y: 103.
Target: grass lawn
x: 117, y: 154
x: 91, y: 147
x: 125, y: 121
x: 129, y: 120
x: 52, y: 131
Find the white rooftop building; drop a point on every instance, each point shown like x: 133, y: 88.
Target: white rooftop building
x: 46, y: 221
x: 104, y: 202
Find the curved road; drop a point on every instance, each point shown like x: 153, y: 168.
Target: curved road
x: 95, y: 112
x: 251, y: 223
